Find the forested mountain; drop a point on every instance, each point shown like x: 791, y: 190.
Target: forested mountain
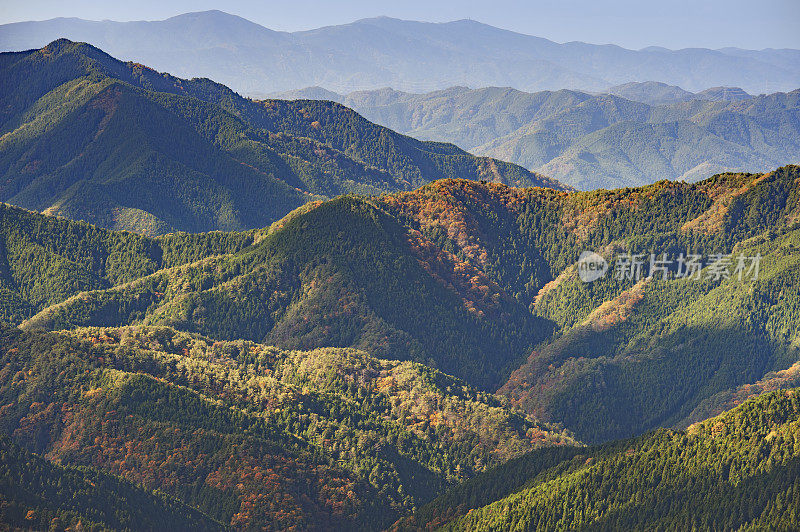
x: 219, y: 312
x: 122, y: 146
x: 343, y: 274
x: 633, y: 135
x: 738, y: 471
x: 300, y: 374
x: 474, y: 279
x: 632, y: 356
x: 407, y: 55
x: 234, y: 433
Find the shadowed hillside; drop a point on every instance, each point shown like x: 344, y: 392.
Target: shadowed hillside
x: 736, y: 471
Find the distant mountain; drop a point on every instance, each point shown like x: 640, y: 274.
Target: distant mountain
x: 601, y: 140
x: 655, y: 93
x: 407, y: 55
x: 117, y: 144
x: 729, y: 94
x: 652, y: 92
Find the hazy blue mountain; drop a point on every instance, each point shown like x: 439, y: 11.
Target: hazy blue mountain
x: 655, y: 93
x: 469, y: 117
x: 601, y: 140
x: 651, y: 92
x: 406, y: 55
x: 730, y: 94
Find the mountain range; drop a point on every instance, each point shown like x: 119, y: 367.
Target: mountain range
x: 632, y: 135
x: 227, y: 313
x: 87, y: 136
x: 477, y: 280
x: 406, y: 55
x: 342, y: 362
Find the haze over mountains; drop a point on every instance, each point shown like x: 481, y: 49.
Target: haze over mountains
x: 636, y: 134
x: 405, y: 55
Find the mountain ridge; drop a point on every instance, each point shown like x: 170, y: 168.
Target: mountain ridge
x: 280, y: 61
x: 376, y: 331
x: 82, y: 133
x: 631, y: 136
x: 501, y: 260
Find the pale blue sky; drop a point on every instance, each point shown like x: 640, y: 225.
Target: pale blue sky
x: 630, y: 23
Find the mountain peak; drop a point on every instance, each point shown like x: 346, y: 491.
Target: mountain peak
x: 63, y: 45
x: 210, y: 13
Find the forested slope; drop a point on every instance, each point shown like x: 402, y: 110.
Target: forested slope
x: 480, y: 281
x: 250, y: 435
x: 372, y: 303
x: 342, y: 274
x: 45, y: 259
x: 39, y: 495
x: 739, y: 471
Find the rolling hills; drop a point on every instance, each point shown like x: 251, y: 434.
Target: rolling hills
x: 479, y: 281
x: 236, y: 434
x: 407, y: 55
x: 88, y: 137
x: 633, y: 135
x: 339, y: 367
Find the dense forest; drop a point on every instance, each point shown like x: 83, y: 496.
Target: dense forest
x: 36, y: 494
x: 479, y: 281
x: 738, y: 471
x: 628, y: 357
x: 225, y: 313
x: 344, y: 274
x: 338, y: 368
x: 246, y: 433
